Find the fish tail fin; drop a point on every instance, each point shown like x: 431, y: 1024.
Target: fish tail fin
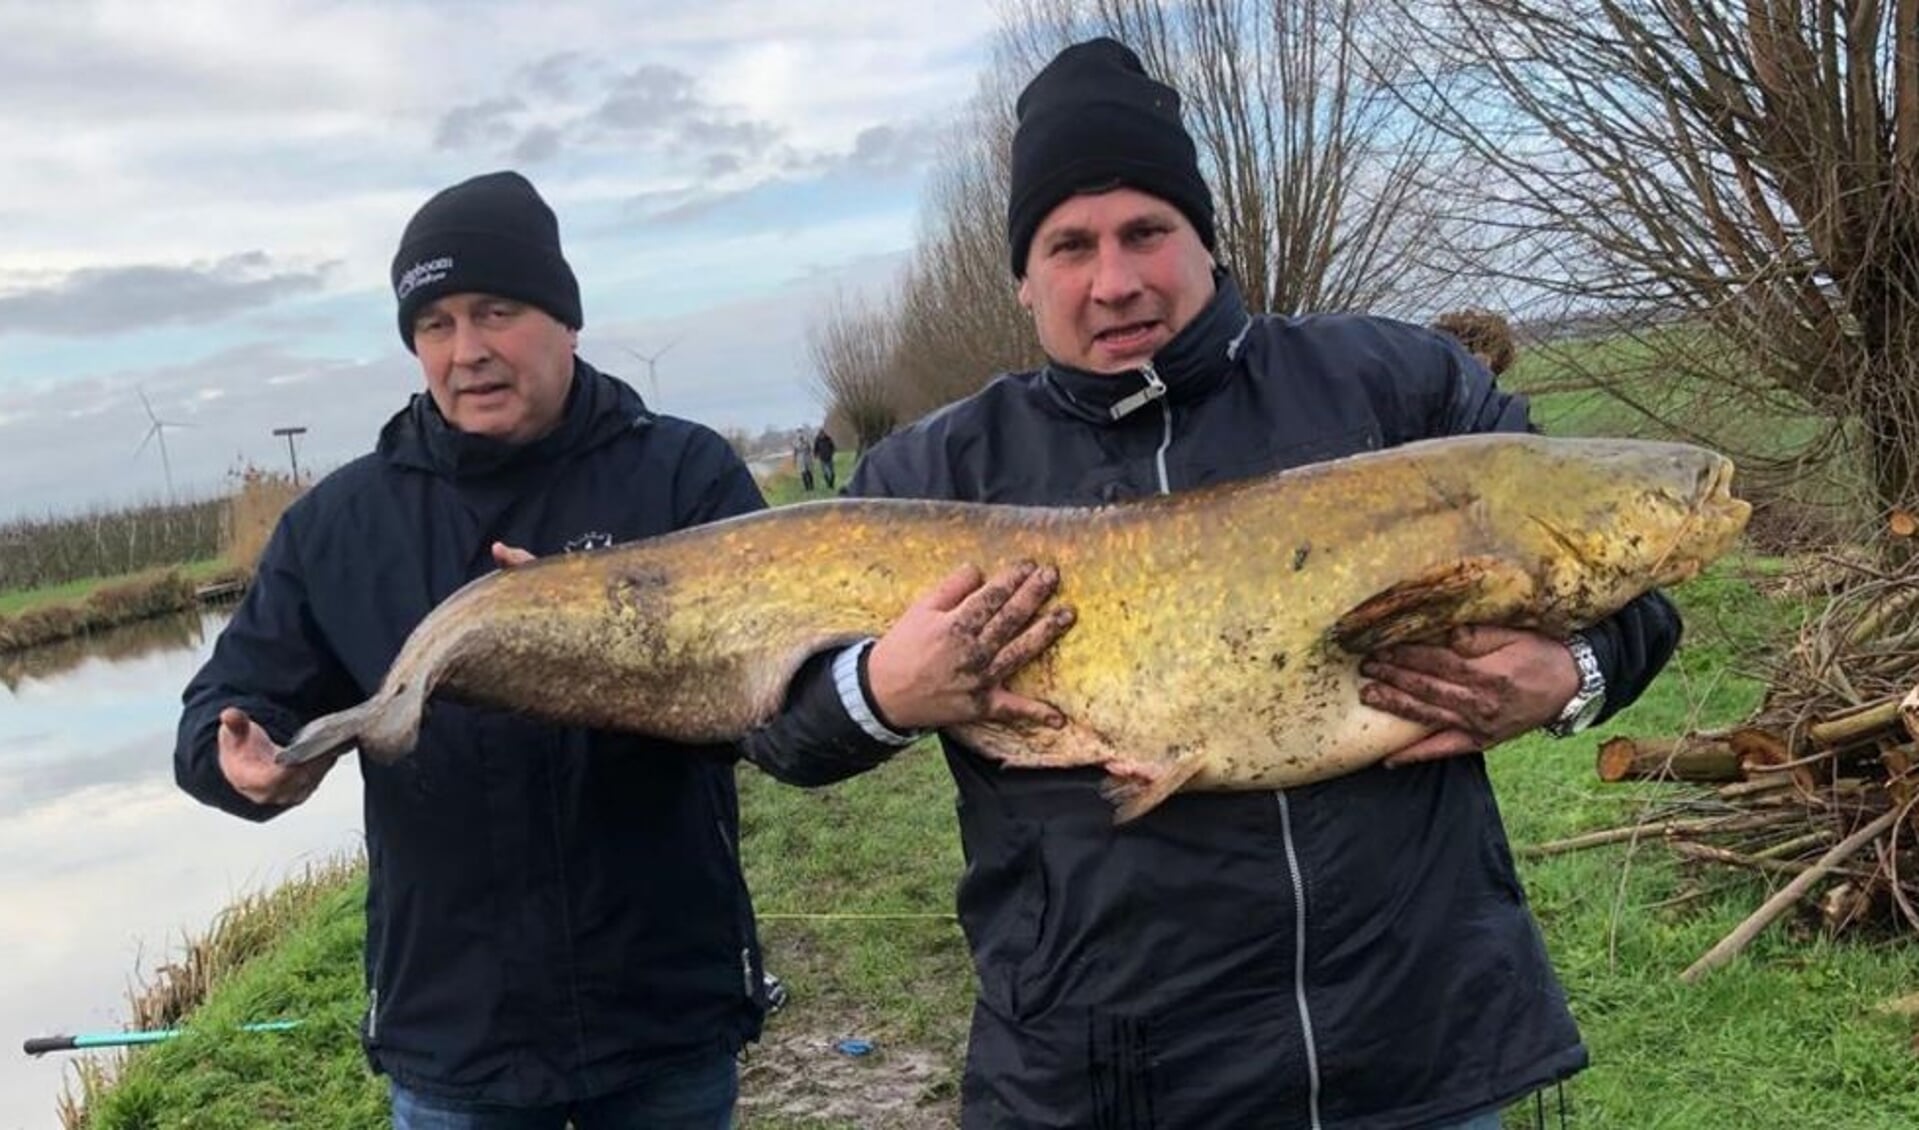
x: 1135, y: 792
x: 384, y: 727
x: 328, y: 734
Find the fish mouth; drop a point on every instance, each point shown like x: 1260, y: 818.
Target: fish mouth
x: 1715, y: 500
x: 1714, y: 520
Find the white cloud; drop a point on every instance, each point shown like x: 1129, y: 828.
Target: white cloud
x: 215, y: 194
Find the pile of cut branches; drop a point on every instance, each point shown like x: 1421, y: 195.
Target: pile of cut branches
x: 1818, y: 789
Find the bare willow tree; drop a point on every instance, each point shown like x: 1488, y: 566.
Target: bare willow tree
x: 851, y: 346
x: 1743, y: 178
x: 959, y: 321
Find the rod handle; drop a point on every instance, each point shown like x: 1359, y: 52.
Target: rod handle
x: 41, y: 1045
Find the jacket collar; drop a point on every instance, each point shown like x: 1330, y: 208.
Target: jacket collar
x: 598, y: 407
x: 1193, y: 364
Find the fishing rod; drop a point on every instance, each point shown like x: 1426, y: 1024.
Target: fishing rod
x: 41, y: 1045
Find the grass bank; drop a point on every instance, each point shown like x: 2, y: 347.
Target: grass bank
x: 79, y: 608
x: 854, y: 884
x: 79, y: 591
x: 69, y: 608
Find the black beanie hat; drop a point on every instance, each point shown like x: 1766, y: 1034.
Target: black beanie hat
x: 488, y: 235
x: 1091, y: 119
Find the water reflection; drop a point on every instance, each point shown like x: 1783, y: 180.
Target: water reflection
x: 104, y: 864
x: 130, y: 641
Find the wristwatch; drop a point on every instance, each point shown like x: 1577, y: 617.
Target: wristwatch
x: 1589, y: 699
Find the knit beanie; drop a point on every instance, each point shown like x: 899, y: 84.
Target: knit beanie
x: 1092, y: 119
x: 488, y: 235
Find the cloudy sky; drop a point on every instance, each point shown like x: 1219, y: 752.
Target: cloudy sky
x: 200, y: 202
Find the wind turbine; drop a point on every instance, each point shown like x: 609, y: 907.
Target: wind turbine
x: 652, y: 372
x: 157, y: 431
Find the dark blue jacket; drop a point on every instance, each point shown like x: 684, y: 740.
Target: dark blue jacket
x: 1355, y: 953
x: 548, y: 909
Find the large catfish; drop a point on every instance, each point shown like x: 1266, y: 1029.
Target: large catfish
x: 1219, y: 630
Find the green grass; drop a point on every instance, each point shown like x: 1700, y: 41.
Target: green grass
x: 884, y: 843
x: 73, y: 592
x: 215, y: 1078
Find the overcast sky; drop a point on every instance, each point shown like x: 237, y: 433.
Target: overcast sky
x: 200, y: 202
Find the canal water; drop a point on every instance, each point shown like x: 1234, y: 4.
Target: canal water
x: 105, y: 865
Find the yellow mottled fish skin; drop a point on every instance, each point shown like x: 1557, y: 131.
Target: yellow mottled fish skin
x: 1218, y: 630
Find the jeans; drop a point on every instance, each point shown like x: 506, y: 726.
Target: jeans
x: 1487, y: 1121
x: 694, y: 1093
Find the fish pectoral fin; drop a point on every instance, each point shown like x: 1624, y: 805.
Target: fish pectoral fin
x: 1038, y: 747
x: 1137, y: 787
x: 1470, y: 590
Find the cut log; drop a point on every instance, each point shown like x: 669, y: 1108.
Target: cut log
x: 1856, y: 725
x: 1691, y: 758
x: 1765, y: 755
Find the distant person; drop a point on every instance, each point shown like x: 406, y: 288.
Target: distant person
x: 823, y: 450
x: 1485, y: 335
x: 557, y: 925
x: 1356, y: 952
x: 803, y: 458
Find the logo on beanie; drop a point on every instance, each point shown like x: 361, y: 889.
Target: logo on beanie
x: 421, y: 273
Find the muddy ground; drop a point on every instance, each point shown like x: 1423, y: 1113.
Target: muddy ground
x: 797, y: 1076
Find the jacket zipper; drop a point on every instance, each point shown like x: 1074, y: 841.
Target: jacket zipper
x: 373, y: 1016
x: 1166, y: 435
x: 1299, y: 960
x: 1156, y: 390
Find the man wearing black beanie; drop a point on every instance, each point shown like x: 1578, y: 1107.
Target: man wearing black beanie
x: 488, y: 235
x: 1091, y: 120
x: 1352, y: 953
x: 557, y: 925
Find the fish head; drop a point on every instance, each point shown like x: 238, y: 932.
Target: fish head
x: 1608, y: 520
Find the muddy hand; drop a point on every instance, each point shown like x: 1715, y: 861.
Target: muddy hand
x: 947, y: 658
x: 247, y: 760
x: 1482, y: 687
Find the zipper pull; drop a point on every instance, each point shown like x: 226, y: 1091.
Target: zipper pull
x: 1155, y: 388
